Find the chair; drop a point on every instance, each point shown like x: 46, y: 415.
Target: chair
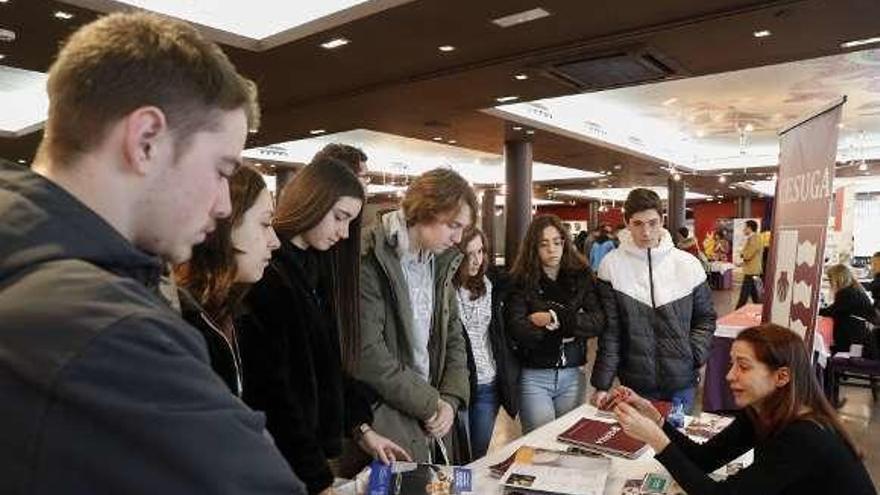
x: 857, y: 371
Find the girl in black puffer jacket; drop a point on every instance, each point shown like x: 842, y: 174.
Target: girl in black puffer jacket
x: 553, y: 309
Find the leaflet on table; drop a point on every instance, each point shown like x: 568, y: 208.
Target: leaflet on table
x: 574, y: 457
x: 409, y: 478
x: 537, y: 478
x: 706, y: 426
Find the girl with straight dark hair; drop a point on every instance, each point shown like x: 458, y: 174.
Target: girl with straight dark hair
x: 300, y: 333
x: 800, y: 445
x: 554, y: 307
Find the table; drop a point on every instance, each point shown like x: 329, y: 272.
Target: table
x: 545, y: 437
x: 716, y: 393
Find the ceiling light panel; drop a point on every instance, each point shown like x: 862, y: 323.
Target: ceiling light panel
x: 254, y: 19
x: 335, y: 43
x: 520, y: 17
x: 23, y: 100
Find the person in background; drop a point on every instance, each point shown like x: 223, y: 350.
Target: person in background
x: 580, y: 242
x: 801, y: 447
x: 850, y: 310
x: 553, y: 309
x: 233, y: 256
x: 481, y: 291
x: 873, y: 287
x: 299, y: 343
x: 353, y: 157
x: 659, y: 309
x: 709, y: 245
x: 603, y: 245
x: 105, y: 387
x: 752, y: 256
x: 413, y: 351
x: 687, y: 243
x: 721, y: 251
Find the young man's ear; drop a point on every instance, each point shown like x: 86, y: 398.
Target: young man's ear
x: 143, y: 130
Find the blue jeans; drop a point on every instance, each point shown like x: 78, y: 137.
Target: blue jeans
x: 546, y: 394
x: 481, y: 416
x: 685, y: 396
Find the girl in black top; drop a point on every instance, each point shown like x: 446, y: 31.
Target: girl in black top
x: 300, y: 328
x: 221, y: 269
x: 850, y: 310
x: 800, y: 445
x: 553, y: 309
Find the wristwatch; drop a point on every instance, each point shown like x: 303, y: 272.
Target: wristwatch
x: 360, y: 430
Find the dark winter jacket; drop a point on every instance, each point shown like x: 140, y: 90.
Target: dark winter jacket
x: 292, y: 365
x: 660, y: 318
x: 874, y: 288
x: 503, y: 348
x: 575, y: 300
x: 104, y: 388
x: 223, y: 350
x: 850, y: 310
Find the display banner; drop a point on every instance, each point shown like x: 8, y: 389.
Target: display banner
x: 807, y: 154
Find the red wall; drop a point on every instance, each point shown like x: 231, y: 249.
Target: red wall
x: 611, y: 216
x: 706, y: 213
x: 566, y: 212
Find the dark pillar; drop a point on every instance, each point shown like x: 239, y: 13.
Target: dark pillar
x: 744, y: 207
x: 593, y: 215
x: 675, y: 206
x: 518, y: 199
x: 488, y: 217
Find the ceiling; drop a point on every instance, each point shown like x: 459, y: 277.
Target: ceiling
x: 392, y: 78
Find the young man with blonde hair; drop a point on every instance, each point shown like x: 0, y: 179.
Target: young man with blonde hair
x: 412, y: 341
x: 106, y: 389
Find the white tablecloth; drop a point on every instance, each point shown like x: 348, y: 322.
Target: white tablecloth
x: 545, y: 436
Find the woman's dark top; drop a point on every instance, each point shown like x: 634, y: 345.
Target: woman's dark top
x: 574, y: 298
x: 849, y: 302
x: 803, y: 458
x: 222, y: 347
x: 292, y: 365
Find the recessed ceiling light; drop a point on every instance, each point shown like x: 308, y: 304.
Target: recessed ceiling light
x: 453, y: 141
x: 517, y: 128
x: 2, y: 56
x: 252, y: 131
x: 618, y: 166
x: 521, y: 77
x: 60, y: 14
x: 855, y: 43
x: 530, y: 132
x: 315, y: 132
x: 335, y: 43
x: 503, y: 99
x: 446, y: 48
x: 722, y: 179
x: 437, y: 138
x: 762, y: 33
x: 676, y: 177
x: 520, y: 17
x: 20, y: 160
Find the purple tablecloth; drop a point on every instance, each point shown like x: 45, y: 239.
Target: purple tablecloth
x: 716, y: 393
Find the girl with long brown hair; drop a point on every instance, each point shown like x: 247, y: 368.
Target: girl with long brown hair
x: 553, y: 309
x: 481, y: 290
x: 800, y: 445
x: 300, y: 331
x: 222, y: 268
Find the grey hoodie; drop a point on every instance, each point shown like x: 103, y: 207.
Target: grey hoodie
x: 104, y: 388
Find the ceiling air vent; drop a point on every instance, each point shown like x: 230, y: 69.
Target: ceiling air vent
x: 613, y: 70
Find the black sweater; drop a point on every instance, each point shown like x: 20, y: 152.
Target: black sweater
x: 292, y: 366
x: 849, y: 302
x: 803, y: 458
x: 574, y: 299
